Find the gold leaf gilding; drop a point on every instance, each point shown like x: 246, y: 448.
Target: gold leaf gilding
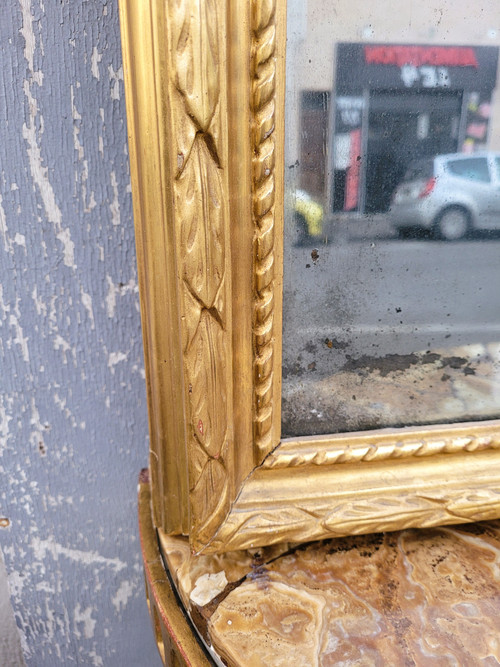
x: 199, y: 197
x: 197, y: 58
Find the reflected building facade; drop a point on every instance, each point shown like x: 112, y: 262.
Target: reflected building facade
x: 420, y: 84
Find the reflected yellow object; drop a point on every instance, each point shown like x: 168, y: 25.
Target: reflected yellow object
x: 311, y: 212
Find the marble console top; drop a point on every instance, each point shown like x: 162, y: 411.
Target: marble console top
x: 415, y: 597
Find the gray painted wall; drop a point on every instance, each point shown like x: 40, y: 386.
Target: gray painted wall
x: 10, y: 642
x: 73, y: 430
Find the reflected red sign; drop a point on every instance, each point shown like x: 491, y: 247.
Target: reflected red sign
x: 446, y: 56
x: 353, y: 172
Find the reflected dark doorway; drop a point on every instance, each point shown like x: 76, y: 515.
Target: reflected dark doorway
x: 402, y: 127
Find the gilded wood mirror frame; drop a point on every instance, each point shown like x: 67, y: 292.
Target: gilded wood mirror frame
x: 205, y: 106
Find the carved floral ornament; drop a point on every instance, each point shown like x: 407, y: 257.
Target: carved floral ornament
x: 205, y: 107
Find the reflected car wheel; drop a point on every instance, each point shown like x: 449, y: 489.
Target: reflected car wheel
x: 406, y: 232
x: 453, y: 224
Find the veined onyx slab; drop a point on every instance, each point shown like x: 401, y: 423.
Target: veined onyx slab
x: 415, y: 597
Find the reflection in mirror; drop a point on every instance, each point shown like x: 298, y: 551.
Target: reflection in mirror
x: 392, y: 215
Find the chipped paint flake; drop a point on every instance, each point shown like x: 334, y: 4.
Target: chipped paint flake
x: 84, y: 617
x: 36, y: 437
x: 64, y: 346
x: 7, y: 243
x: 87, y: 302
x: 13, y: 315
x: 40, y: 177
x: 111, y: 297
x: 42, y: 548
x: 115, y: 77
x: 20, y: 239
x: 39, y: 172
x: 5, y: 419
x: 19, y: 338
x: 114, y: 207
x: 122, y: 596
x: 16, y: 583
x: 96, y: 659
x: 94, y: 61
x: 28, y: 34
x: 82, y: 173
x: 115, y: 358
x: 118, y: 290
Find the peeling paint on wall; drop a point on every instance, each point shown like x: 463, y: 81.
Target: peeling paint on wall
x: 73, y: 424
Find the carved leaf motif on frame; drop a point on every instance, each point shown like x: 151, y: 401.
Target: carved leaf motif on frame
x: 199, y: 197
x: 197, y: 48
x: 196, y: 64
x: 210, y: 493
x: 207, y: 393
x: 382, y: 514
x: 202, y: 238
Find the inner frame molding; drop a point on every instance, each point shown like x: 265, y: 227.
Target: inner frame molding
x: 205, y: 91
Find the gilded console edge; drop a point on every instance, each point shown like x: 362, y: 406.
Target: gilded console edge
x: 175, y: 637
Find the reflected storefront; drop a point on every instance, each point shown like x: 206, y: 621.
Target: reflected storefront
x: 396, y: 103
x: 391, y: 313
x: 423, y: 83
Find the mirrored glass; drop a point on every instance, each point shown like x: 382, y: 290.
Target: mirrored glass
x: 392, y: 215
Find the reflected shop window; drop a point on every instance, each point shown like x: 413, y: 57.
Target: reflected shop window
x: 392, y: 215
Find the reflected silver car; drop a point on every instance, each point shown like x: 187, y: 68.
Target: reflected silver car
x: 449, y: 195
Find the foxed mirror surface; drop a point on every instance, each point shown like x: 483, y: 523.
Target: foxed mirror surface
x: 392, y: 215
